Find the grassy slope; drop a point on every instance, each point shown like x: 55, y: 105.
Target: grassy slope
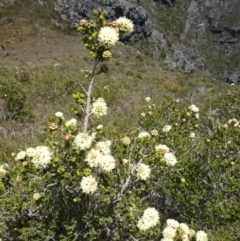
x: 54, y: 64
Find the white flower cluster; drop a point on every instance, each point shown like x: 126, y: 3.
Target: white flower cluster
x: 20, y: 156
x: 125, y: 25
x: 192, y: 135
x: 59, y: 115
x: 89, y: 184
x: 201, y: 236
x: 99, y: 108
x: 149, y: 219
x: 154, y: 132
x: 71, y: 123
x: 170, y: 159
x: 3, y: 170
x: 40, y: 156
x: 166, y: 128
x: 107, y: 37
x: 126, y: 141
x: 100, y: 156
x: 194, y: 110
x: 148, y: 99
x: 143, y: 135
x: 143, y: 171
x: 181, y: 231
x: 83, y: 140
x: 234, y: 122
x: 164, y: 152
x: 161, y: 149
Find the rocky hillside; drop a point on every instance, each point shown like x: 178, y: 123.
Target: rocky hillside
x: 193, y: 35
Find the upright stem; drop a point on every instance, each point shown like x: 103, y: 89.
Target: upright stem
x: 89, y: 93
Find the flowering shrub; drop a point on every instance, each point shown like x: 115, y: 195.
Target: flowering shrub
x: 82, y: 184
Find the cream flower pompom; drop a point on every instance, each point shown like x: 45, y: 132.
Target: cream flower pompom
x: 20, y: 156
x: 161, y: 149
x: 149, y: 219
x: 30, y: 152
x: 184, y: 228
x: 84, y: 141
x: 166, y: 128
x: 3, y: 170
x: 99, y: 108
x: 143, y: 135
x: 143, y: 171
x: 125, y: 25
x: 170, y: 159
x: 107, y: 37
x: 59, y: 115
x: 71, y: 123
x: 193, y: 108
x: 41, y: 157
x: 169, y: 232
x: 126, y: 141
x: 172, y: 223
x: 201, y: 236
x: 93, y: 157
x: 103, y: 147
x: 107, y: 163
x: 89, y: 184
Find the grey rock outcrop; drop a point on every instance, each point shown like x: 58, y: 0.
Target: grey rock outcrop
x: 73, y: 11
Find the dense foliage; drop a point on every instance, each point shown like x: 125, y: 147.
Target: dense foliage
x: 91, y: 182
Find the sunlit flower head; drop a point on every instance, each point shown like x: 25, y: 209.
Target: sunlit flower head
x: 172, y: 223
x: 42, y: 157
x: 197, y: 115
x: 191, y: 233
x: 166, y: 128
x: 59, y: 115
x: 20, y: 156
x: 125, y: 25
x: 36, y: 196
x: 126, y: 141
x: 201, y: 236
x: 99, y: 127
x: 89, y: 184
x: 30, y: 151
x: 161, y: 149
x: 143, y: 171
x: 103, y: 147
x: 143, y: 135
x: 71, y: 123
x: 107, y: 37
x: 193, y: 108
x: 93, y: 157
x: 149, y: 219
x: 154, y: 132
x: 99, y: 108
x: 148, y: 99
x: 170, y: 159
x: 184, y: 228
x: 107, y: 163
x: 84, y: 141
x: 125, y: 161
x: 169, y: 232
x: 192, y: 135
x: 3, y: 170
